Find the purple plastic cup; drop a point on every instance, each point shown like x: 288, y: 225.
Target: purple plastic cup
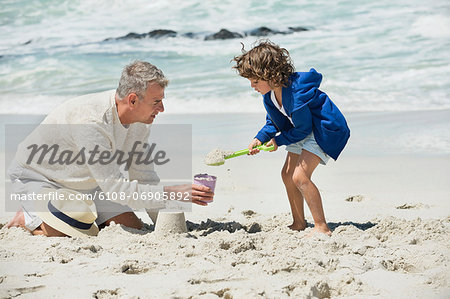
x: 207, y: 180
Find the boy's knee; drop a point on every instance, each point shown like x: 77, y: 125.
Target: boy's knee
x: 301, y: 180
x: 286, y: 176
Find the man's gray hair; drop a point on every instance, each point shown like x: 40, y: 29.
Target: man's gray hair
x: 137, y: 76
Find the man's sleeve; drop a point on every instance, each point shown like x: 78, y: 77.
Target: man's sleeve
x: 95, y: 137
x: 144, y: 173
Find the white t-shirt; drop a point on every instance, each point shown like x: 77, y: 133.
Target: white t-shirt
x: 281, y: 108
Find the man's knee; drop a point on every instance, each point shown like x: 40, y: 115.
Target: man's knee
x: 128, y: 219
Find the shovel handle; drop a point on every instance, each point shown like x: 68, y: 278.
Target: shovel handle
x: 261, y: 147
x: 266, y: 148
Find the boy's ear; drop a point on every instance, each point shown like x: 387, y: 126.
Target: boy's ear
x: 273, y: 85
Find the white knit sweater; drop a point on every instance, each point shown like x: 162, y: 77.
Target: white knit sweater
x: 86, y: 122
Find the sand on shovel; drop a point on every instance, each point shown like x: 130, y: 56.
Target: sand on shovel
x: 216, y: 156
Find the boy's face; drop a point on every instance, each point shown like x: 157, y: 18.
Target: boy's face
x: 260, y: 86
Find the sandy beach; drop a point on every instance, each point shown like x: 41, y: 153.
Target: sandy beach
x: 386, y: 200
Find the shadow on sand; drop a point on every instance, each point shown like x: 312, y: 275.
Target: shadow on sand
x: 209, y: 226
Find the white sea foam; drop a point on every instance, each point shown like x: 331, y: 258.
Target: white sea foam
x: 377, y: 56
x: 435, y: 26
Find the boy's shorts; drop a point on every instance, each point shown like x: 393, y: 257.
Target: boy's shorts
x: 25, y: 181
x: 309, y: 144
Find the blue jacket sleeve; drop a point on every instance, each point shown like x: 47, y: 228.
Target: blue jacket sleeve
x: 268, y: 131
x: 302, y: 120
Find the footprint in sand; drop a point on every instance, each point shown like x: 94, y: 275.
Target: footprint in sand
x: 104, y: 294
x: 412, y: 206
x: 355, y: 198
x: 20, y: 291
x: 132, y: 267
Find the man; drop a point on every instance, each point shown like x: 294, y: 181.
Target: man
x: 113, y: 122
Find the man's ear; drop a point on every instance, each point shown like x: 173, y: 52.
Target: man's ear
x: 132, y: 99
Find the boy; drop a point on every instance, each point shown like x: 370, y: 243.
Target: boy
x: 308, y: 123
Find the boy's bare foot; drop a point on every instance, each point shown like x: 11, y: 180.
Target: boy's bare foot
x: 17, y: 221
x: 320, y: 229
x: 298, y: 226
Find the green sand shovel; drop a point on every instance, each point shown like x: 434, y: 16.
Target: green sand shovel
x: 261, y: 147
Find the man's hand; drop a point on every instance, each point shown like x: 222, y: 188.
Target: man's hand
x: 202, y: 195
x: 251, y: 149
x: 198, y: 194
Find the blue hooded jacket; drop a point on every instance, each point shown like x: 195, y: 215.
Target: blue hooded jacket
x: 310, y: 110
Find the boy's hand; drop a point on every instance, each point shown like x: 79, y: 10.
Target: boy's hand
x: 275, y: 146
x: 251, y: 149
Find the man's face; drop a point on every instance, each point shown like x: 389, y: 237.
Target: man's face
x: 148, y: 107
x: 260, y: 86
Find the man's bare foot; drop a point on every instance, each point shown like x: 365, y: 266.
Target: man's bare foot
x: 17, y: 221
x: 298, y: 226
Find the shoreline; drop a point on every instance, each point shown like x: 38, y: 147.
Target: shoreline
x: 372, y: 133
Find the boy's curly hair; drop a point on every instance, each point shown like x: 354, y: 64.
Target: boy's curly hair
x: 267, y: 62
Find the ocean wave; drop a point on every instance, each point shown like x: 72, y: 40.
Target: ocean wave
x: 434, y: 26
x: 377, y: 56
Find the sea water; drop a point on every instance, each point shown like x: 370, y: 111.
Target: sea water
x: 374, y: 55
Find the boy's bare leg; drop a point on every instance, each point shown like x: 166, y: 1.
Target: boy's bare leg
x: 302, y: 178
x: 294, y: 194
x: 128, y: 219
